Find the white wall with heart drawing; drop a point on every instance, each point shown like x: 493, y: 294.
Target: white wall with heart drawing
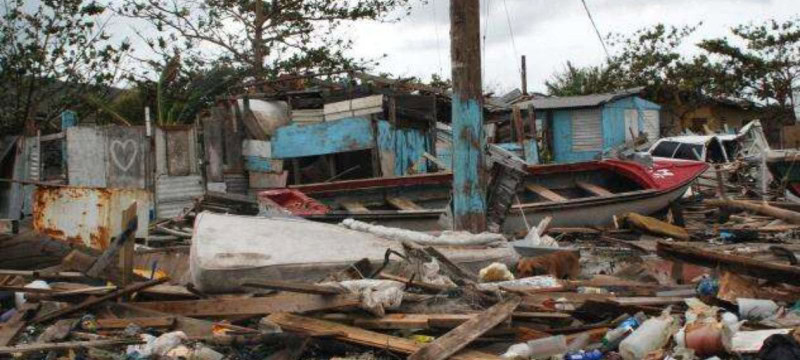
x: 107, y: 157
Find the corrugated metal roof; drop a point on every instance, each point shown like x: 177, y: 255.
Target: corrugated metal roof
x: 175, y: 193
x: 578, y: 101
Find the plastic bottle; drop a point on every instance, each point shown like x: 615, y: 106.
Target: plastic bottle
x: 539, y: 348
x: 651, y: 335
x: 542, y: 348
x: 614, y: 337
x: 583, y: 355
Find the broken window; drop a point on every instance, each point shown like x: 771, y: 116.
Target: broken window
x: 665, y: 149
x: 689, y: 152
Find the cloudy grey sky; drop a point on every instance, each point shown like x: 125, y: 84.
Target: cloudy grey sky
x: 548, y: 32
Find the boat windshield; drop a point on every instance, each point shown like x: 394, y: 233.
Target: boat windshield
x: 678, y: 150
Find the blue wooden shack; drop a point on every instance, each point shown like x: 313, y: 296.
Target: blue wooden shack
x: 579, y: 128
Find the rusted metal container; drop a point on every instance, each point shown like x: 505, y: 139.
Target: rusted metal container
x: 87, y: 216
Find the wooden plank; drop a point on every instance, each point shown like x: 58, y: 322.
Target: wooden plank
x: 234, y: 133
x: 414, y: 321
x: 464, y: 334
x: 738, y: 264
x: 12, y: 327
x: 108, y: 257
x: 283, y: 302
x: 144, y: 322
x: 191, y: 326
x: 544, y: 192
x: 403, y: 203
x: 42, y: 274
x: 179, y: 141
x: 213, y: 141
x: 593, y: 189
x: 303, y: 288
x: 649, y: 301
x: 354, y: 206
x: 22, y: 349
x: 354, y: 107
x: 96, y: 300
x: 296, y: 323
x: 130, y: 220
x: 79, y: 261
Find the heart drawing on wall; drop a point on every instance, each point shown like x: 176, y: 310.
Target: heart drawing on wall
x: 120, y: 154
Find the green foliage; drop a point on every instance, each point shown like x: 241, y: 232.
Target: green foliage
x: 575, y: 81
x: 762, y: 62
x: 50, y: 54
x: 264, y: 37
x: 176, y: 98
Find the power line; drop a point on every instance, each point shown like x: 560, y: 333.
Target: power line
x: 511, y: 32
x: 599, y: 37
x: 485, y: 32
x: 438, y: 45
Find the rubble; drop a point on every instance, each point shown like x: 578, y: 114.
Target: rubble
x: 322, y: 227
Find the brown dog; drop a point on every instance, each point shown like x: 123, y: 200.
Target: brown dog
x: 560, y: 264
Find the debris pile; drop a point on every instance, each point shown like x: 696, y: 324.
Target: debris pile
x: 356, y: 256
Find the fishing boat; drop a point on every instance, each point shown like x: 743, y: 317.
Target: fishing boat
x: 575, y: 195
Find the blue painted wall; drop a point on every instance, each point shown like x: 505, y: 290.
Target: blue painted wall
x: 613, y: 125
x: 406, y: 145
x: 261, y: 164
x: 298, y: 140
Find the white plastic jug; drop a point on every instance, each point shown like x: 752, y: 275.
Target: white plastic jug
x: 651, y: 335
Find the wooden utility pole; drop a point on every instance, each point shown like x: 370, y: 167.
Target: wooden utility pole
x: 524, y: 74
x: 469, y: 175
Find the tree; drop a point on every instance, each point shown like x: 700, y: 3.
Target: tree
x: 176, y: 98
x: 575, y: 81
x: 49, y: 54
x: 762, y: 63
x: 264, y: 37
x: 650, y: 58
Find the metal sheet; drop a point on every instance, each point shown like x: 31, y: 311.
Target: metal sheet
x: 175, y: 193
x: 236, y: 183
x: 587, y: 130
x: 127, y: 152
x: 87, y: 216
x: 86, y: 157
x: 298, y: 140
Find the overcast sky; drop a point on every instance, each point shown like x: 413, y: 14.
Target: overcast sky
x: 548, y: 32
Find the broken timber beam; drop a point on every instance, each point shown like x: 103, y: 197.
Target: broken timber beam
x: 5, y: 350
x: 12, y: 327
x: 109, y: 256
x: 245, y: 306
x: 738, y: 264
x: 311, y: 326
x: 464, y: 334
x: 297, y: 287
x: 143, y: 322
x: 789, y: 216
x: 96, y: 300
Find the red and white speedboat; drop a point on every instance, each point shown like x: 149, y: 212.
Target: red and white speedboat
x: 575, y: 195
